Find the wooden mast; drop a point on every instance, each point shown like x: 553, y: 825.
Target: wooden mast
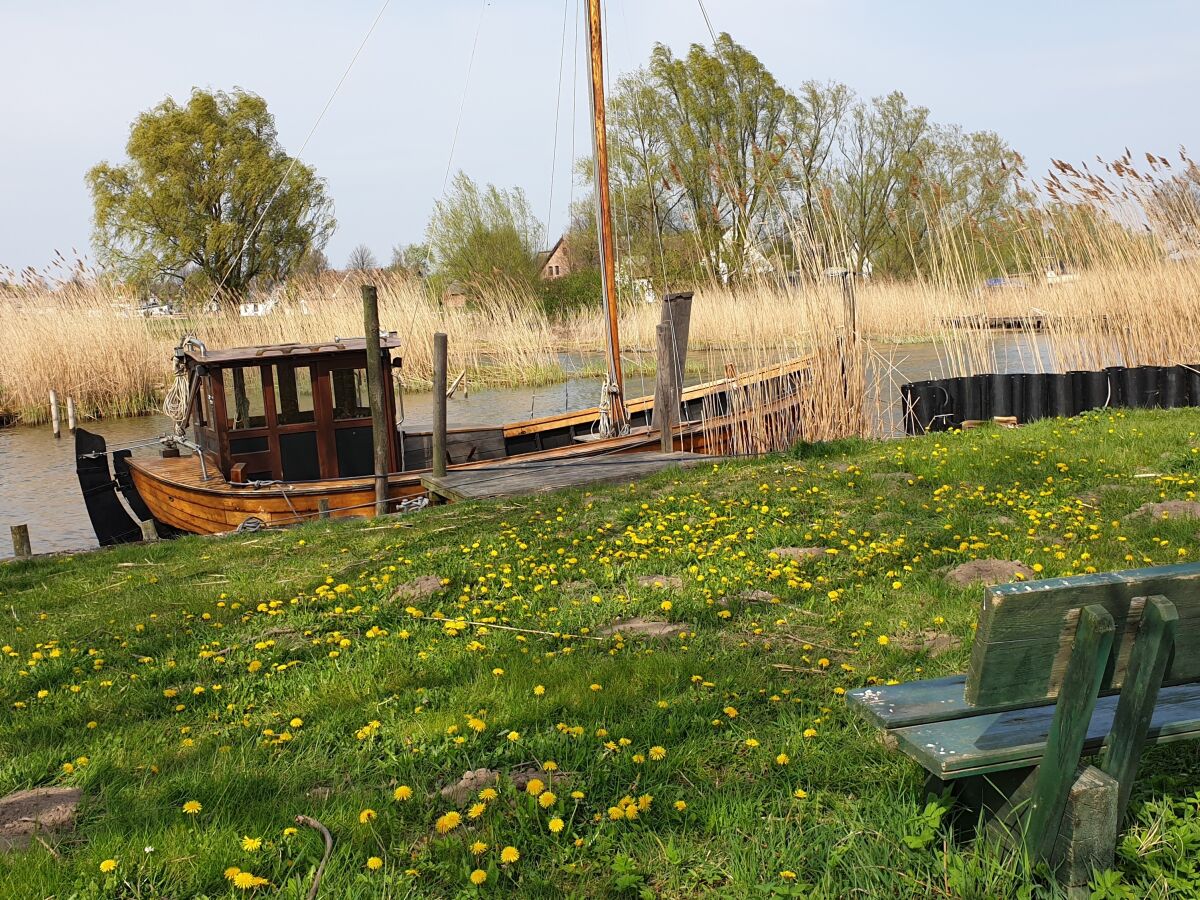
x: 618, y: 417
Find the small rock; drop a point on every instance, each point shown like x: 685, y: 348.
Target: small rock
x: 798, y: 552
x: 652, y: 628
x: 989, y: 571
x: 1169, y: 509
x: 522, y: 775
x: 758, y: 596
x: 660, y: 581
x: 897, y: 476
x: 579, y: 587
x: 23, y: 814
x: 932, y: 642
x: 419, y: 589
x: 470, y: 785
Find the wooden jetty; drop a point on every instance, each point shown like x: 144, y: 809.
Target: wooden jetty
x: 511, y: 479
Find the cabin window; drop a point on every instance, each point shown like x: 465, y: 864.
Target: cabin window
x: 244, y: 398
x: 293, y: 394
x: 350, y: 394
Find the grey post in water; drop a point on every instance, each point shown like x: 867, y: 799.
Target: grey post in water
x: 55, y: 418
x: 375, y: 376
x: 71, y: 414
x: 438, y: 451
x: 666, y: 399
x: 20, y: 539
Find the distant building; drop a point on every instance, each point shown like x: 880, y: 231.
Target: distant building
x: 454, y: 296
x: 553, y: 263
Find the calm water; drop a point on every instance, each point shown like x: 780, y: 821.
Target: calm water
x: 37, y: 473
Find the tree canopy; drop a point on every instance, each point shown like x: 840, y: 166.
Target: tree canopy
x: 485, y: 237
x: 207, y: 188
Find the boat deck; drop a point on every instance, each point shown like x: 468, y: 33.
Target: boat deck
x: 513, y: 479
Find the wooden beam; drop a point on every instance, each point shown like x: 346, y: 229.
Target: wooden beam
x: 438, y: 452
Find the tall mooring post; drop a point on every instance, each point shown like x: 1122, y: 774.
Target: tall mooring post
x: 438, y: 450
x: 671, y: 352
x: 375, y: 393
x: 55, y: 416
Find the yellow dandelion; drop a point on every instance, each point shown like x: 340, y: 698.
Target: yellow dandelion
x: 477, y: 810
x: 192, y: 807
x: 478, y: 877
x: 108, y: 865
x: 231, y: 873
x: 539, y: 690
x: 658, y: 753
x: 800, y: 794
x: 782, y: 759
x: 680, y: 805
x: 448, y: 822
x: 402, y: 793
x: 366, y: 816
x: 555, y: 825
x: 547, y: 799
x: 374, y: 862
x: 251, y: 844
x: 487, y: 795
x: 534, y: 787
x: 479, y: 848
x: 509, y: 854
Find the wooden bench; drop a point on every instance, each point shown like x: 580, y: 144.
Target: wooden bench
x: 1060, y: 668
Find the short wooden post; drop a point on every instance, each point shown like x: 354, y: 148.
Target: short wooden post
x: 71, y: 414
x: 55, y: 420
x: 438, y: 451
x: 20, y: 540
x: 664, y: 389
x: 149, y: 530
x: 323, y: 508
x: 677, y: 315
x: 375, y: 374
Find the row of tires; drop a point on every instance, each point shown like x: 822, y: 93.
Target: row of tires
x: 944, y: 403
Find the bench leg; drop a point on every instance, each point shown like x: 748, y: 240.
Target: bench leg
x: 1068, y: 730
x: 1085, y: 838
x: 1147, y: 665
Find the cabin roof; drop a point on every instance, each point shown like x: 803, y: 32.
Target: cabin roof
x: 266, y: 352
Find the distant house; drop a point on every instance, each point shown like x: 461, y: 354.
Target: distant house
x: 553, y: 263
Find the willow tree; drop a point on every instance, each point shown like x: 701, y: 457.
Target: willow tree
x: 208, y: 188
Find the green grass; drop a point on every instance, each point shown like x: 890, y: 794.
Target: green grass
x: 176, y: 669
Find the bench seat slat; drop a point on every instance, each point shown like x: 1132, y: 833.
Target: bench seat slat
x: 995, y: 742
x: 918, y: 702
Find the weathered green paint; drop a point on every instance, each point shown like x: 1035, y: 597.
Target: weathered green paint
x: 1072, y: 715
x: 994, y: 742
x: 1148, y: 662
x: 921, y: 702
x: 1019, y: 654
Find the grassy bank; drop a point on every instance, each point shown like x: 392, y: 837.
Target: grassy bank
x: 351, y: 672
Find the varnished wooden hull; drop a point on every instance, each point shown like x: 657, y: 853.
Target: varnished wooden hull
x: 178, y: 495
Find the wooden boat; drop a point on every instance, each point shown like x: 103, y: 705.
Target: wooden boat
x: 283, y: 433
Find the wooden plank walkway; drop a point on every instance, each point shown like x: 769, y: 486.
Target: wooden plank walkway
x: 516, y: 478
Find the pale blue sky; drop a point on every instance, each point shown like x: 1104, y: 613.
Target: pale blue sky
x: 1068, y: 80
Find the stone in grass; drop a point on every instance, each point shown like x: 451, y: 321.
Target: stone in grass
x: 470, y: 785
x: 660, y: 581
x: 798, y: 553
x: 45, y: 810
x: 651, y: 628
x: 523, y: 774
x: 988, y: 571
x: 1169, y: 509
x: 757, y: 596
x: 932, y: 642
x: 418, y: 589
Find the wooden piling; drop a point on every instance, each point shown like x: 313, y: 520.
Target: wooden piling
x: 323, y: 508
x: 439, y: 405
x: 20, y: 540
x: 677, y: 315
x: 55, y: 419
x: 666, y: 398
x: 71, y: 414
x: 149, y: 530
x: 375, y: 393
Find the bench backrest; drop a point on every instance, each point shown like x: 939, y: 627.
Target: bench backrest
x: 1026, y: 631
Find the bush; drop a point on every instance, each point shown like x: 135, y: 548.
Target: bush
x: 579, y: 290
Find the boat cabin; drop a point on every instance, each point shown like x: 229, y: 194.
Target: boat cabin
x: 288, y: 412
